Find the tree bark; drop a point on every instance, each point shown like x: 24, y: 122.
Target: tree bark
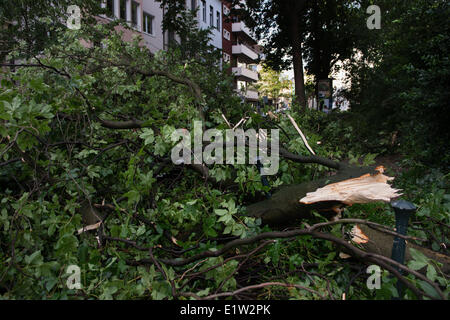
x: 297, y: 57
x: 381, y: 243
x: 284, y: 207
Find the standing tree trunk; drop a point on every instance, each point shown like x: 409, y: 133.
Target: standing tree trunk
x: 297, y: 57
x: 299, y: 79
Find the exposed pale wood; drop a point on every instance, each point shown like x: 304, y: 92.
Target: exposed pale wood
x: 226, y: 120
x: 378, y: 242
x: 364, y: 189
x: 272, y: 115
x: 284, y: 208
x: 358, y: 235
x: 89, y: 227
x: 301, y: 134
x: 240, y: 121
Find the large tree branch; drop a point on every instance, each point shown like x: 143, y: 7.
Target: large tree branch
x: 284, y: 207
x: 309, y: 159
x: 191, y: 84
x: 385, y: 262
x: 130, y: 124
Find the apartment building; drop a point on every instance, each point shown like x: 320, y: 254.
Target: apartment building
x: 209, y: 15
x: 228, y: 34
x: 144, y: 16
x: 240, y: 49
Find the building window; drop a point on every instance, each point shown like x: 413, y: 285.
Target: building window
x: 110, y: 8
x: 204, y: 10
x: 218, y: 21
x: 226, y: 57
x: 226, y: 34
x: 226, y: 11
x: 134, y: 13
x: 211, y: 16
x: 123, y: 10
x: 148, y: 23
x: 193, y: 5
x: 171, y: 39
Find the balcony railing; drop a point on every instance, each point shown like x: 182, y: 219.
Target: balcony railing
x: 242, y: 28
x: 246, y: 74
x: 249, y: 94
x: 244, y: 52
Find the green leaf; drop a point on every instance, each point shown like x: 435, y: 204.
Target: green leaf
x: 147, y: 135
x: 133, y: 196
x: 161, y: 290
x: 429, y: 289
x: 203, y: 293
x: 220, y: 212
x: 416, y: 265
x: 140, y: 230
x: 420, y: 260
x: 431, y: 273
x: 83, y: 254
x: 50, y: 284
x: 34, y: 257
x: 67, y: 244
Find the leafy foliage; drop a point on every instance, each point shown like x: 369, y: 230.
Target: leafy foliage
x: 86, y: 136
x: 398, y: 80
x: 273, y: 84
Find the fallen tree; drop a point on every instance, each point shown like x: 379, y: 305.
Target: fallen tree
x: 329, y: 196
x: 89, y: 180
x: 285, y: 208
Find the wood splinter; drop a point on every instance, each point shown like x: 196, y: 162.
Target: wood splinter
x: 364, y: 189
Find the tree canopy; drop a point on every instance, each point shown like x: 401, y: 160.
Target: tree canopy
x: 273, y: 84
x: 317, y: 32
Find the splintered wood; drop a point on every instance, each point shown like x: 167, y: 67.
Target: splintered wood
x: 358, y: 236
x: 89, y: 227
x: 364, y: 189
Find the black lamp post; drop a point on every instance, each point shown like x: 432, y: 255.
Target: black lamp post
x: 264, y: 180
x: 403, y: 210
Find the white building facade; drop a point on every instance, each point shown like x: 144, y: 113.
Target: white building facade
x: 209, y: 15
x: 145, y: 16
x: 152, y: 32
x: 228, y: 34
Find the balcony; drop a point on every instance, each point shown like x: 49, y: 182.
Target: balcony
x: 252, y: 95
x: 249, y: 94
x: 244, y: 53
x: 241, y: 29
x: 245, y: 74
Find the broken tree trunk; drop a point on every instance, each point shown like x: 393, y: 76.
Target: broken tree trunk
x: 375, y: 241
x: 285, y: 209
x: 364, y: 189
x: 328, y: 196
